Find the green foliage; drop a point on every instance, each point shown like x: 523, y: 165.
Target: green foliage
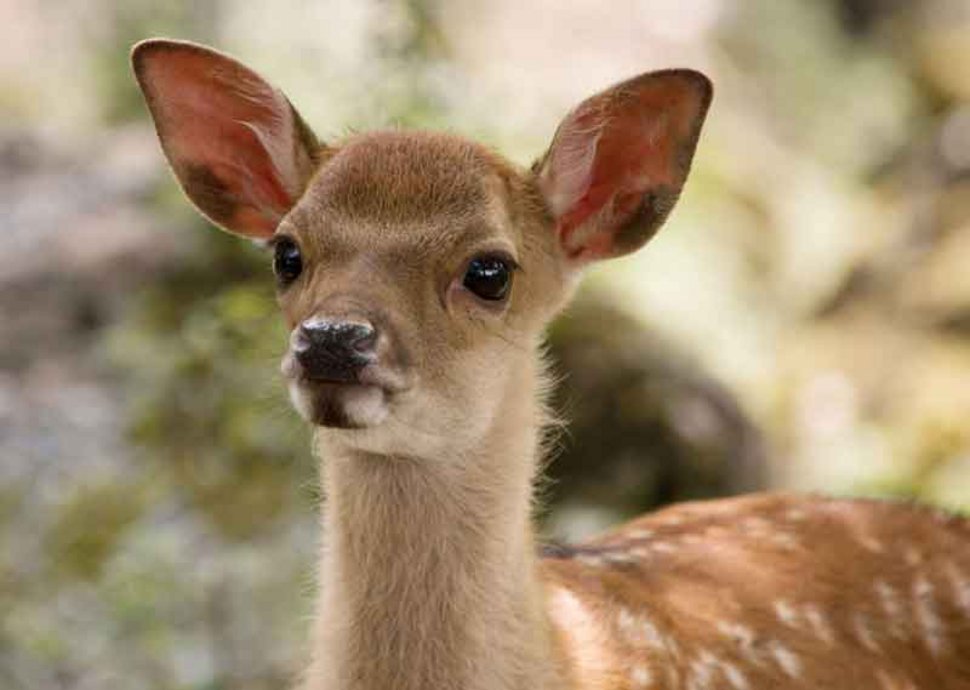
x: 125, y: 23
x: 89, y: 525
x: 200, y: 348
x: 646, y: 426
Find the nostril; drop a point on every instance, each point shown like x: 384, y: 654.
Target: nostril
x: 362, y: 338
x: 301, y: 340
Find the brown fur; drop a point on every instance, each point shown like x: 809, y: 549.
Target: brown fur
x: 788, y: 591
x: 428, y: 579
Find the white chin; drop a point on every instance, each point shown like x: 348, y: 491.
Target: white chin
x: 365, y: 405
x: 339, y: 406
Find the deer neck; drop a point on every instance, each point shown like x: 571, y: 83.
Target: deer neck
x: 428, y: 574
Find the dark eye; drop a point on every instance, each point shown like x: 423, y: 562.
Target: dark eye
x: 489, y: 277
x: 287, y: 262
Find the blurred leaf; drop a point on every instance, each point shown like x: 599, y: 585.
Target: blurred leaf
x: 88, y: 527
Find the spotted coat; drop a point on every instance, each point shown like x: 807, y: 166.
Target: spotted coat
x: 769, y: 591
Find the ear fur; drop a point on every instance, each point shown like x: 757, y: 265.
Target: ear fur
x: 239, y: 149
x: 618, y: 162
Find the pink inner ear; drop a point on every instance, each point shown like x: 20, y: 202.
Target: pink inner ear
x: 225, y: 129
x: 611, y: 152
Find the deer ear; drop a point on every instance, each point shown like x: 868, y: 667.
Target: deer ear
x: 619, y: 160
x: 239, y: 149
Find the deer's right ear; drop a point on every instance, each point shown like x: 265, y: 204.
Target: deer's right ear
x: 239, y: 149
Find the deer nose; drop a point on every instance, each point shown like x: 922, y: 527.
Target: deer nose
x: 332, y: 350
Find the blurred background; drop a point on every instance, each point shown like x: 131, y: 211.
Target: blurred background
x: 803, y: 320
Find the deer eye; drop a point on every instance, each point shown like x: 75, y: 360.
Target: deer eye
x: 489, y: 277
x: 287, y: 262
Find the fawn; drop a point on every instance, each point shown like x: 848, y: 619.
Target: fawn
x: 416, y: 272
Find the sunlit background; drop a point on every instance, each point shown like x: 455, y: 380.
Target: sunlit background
x: 803, y: 320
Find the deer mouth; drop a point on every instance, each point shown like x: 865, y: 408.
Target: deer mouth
x: 352, y: 402
x: 339, y: 405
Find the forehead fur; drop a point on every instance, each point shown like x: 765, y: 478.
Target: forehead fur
x: 404, y: 176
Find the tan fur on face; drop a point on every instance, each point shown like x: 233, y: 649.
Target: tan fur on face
x: 392, y: 256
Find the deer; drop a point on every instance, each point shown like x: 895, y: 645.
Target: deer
x: 416, y: 272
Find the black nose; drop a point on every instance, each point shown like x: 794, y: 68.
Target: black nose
x: 334, y: 350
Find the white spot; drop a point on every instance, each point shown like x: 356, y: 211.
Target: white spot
x: 566, y: 603
x: 870, y: 544
x: 786, y: 659
x: 670, y: 644
x: 640, y: 552
x: 929, y: 617
x: 796, y: 514
x: 786, y: 613
x: 619, y: 558
x: 702, y: 671
x: 820, y: 624
x: 585, y: 636
x: 784, y: 540
x: 888, y: 682
x: 590, y: 559
x: 708, y: 667
x: 892, y: 604
x: 651, y: 634
x: 864, y: 633
x: 961, y: 587
x: 640, y: 630
x: 641, y: 676
x: 744, y: 637
x: 641, y: 534
x: 737, y: 632
x: 735, y: 676
x: 756, y: 526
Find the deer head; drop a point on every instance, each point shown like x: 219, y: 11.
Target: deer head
x: 415, y: 270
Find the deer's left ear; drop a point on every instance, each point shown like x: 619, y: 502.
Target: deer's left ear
x: 619, y: 160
